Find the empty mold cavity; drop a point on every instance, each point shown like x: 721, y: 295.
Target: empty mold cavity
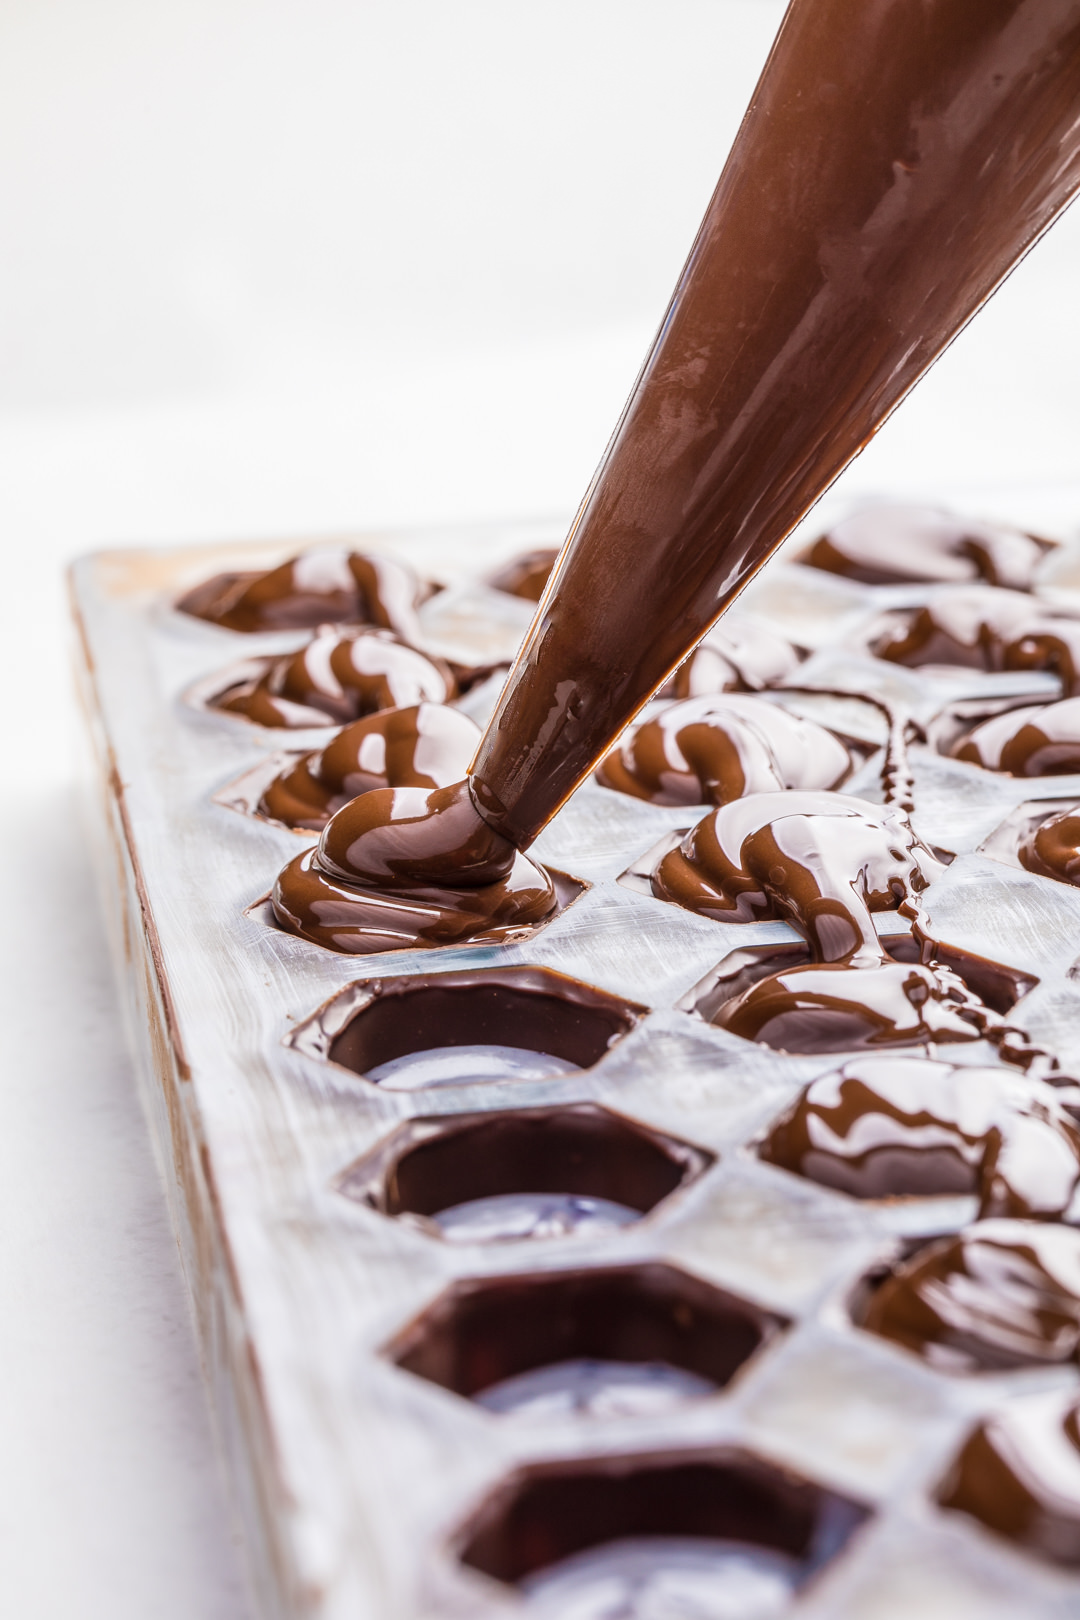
x: 434, y: 1029
x: 527, y: 1173
x: 716, y: 1535
x: 997, y: 986
x: 599, y: 1342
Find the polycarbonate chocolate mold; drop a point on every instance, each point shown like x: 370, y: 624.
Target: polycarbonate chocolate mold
x: 523, y: 1173
x: 598, y: 1342
x: 354, y: 1477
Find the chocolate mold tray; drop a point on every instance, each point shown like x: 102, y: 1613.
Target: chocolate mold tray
x: 355, y: 1326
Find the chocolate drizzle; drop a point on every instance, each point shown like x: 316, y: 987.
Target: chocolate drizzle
x: 1000, y: 1294
x: 328, y: 586
x: 892, y: 545
x: 426, y: 746
x: 715, y: 749
x: 339, y: 676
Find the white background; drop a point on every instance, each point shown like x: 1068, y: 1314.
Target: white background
x: 278, y: 268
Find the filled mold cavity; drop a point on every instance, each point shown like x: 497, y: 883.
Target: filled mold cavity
x: 612, y: 1342
x: 713, y: 1534
x: 526, y: 1173
x: 420, y: 1030
x: 1040, y: 836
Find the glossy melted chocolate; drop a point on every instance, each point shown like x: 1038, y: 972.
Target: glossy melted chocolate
x: 426, y: 746
x: 891, y: 1127
x: 1019, y: 1475
x: 892, y: 545
x: 892, y: 167
x: 526, y: 576
x: 735, y: 657
x: 1053, y: 849
x: 318, y: 587
x: 1038, y: 740
x: 711, y: 750
x: 339, y: 676
x: 999, y: 1294
x: 980, y: 627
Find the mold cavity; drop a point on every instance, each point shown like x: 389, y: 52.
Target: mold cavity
x: 721, y: 1536
x: 598, y: 1343
x: 533, y: 1173
x: 435, y: 1029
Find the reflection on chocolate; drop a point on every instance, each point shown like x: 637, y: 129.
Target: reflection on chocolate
x: 318, y: 587
x: 980, y: 627
x: 339, y: 676
x: 526, y: 575
x: 891, y: 545
x: 1002, y: 1293
x: 1053, y: 849
x: 828, y: 275
x: 376, y: 880
x: 1041, y: 739
x: 892, y: 1127
x: 1019, y: 1475
x: 710, y: 750
x: 736, y: 656
x: 425, y: 746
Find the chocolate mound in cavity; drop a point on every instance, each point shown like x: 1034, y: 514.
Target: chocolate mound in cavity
x: 426, y: 746
x: 526, y: 576
x: 892, y: 545
x: 888, y: 1127
x: 376, y: 880
x: 715, y: 749
x: 1053, y: 849
x: 828, y: 275
x: 735, y: 656
x: 999, y: 1294
x: 339, y: 676
x: 1019, y: 1475
x: 1038, y: 740
x: 328, y: 586
x: 981, y: 627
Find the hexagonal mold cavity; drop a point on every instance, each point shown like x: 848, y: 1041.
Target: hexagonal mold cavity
x: 1003, y: 844
x: 430, y: 1029
x: 997, y: 986
x: 523, y: 1173
x: 723, y: 1531
x: 609, y: 1341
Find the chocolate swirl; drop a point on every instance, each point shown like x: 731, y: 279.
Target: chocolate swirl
x: 1019, y: 1475
x: 339, y: 676
x: 980, y: 627
x: 1053, y: 849
x: 735, y: 656
x: 895, y: 1127
x: 1002, y: 1293
x: 711, y: 750
x: 1037, y: 740
x: 327, y: 586
x: 892, y: 545
x: 426, y: 746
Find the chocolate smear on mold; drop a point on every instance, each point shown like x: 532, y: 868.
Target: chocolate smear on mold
x: 891, y: 169
x: 324, y: 586
x: 1053, y: 848
x: 1037, y: 740
x: 980, y: 627
x: 897, y: 545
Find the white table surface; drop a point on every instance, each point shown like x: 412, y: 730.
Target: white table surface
x: 280, y: 269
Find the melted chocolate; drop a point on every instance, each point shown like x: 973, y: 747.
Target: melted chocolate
x: 892, y: 545
x: 318, y: 587
x: 339, y: 676
x: 376, y: 879
x: 1019, y: 1475
x: 1053, y: 849
x: 1038, y: 740
x: 710, y: 750
x: 526, y: 575
x: 980, y: 627
x: 828, y: 274
x: 1002, y: 1293
x: 735, y: 657
x: 910, y: 1127
x: 425, y: 746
